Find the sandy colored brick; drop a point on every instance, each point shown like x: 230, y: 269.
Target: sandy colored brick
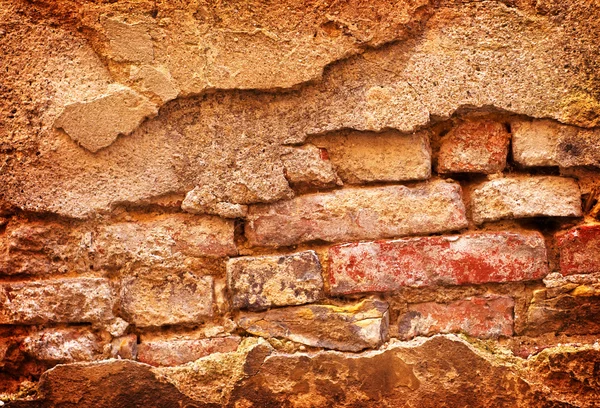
x: 177, y: 351
x: 308, y: 166
x: 68, y: 300
x: 483, y: 317
x: 475, y: 146
x: 264, y: 281
x: 358, y: 213
x: 362, y: 157
x: 346, y: 328
x: 549, y: 143
x: 386, y: 266
x: 523, y: 197
x: 163, y: 297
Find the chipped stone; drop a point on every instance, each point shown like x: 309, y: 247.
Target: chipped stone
x: 173, y: 352
x: 97, y: 123
x: 308, y: 166
x: 355, y: 213
x: 155, y: 80
x: 201, y: 201
x: 265, y: 281
x: 65, y: 345
x: 124, y: 347
x: 128, y: 42
x: 67, y: 300
x: 346, y: 328
x: 523, y: 197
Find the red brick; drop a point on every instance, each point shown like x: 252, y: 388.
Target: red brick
x: 172, y: 352
x: 474, y: 147
x: 384, y: 266
x: 580, y: 250
x: 482, y: 317
x: 358, y: 213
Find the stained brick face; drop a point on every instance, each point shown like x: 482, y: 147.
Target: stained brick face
x: 580, y: 250
x: 385, y: 266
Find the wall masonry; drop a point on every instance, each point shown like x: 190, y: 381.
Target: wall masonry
x: 289, y: 204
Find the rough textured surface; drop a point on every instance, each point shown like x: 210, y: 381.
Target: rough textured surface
x: 519, y: 197
x: 384, y: 266
x: 547, y: 143
x: 261, y: 282
x: 361, y: 157
x: 478, y: 317
x: 479, y: 146
x: 144, y: 143
x: 352, y: 214
x: 580, y: 250
x: 75, y: 300
x: 347, y: 328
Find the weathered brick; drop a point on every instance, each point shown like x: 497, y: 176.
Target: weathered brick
x: 68, y: 300
x: 172, y: 352
x: 308, y: 166
x: 522, y: 197
x: 568, y: 305
x: 347, y: 328
x: 483, y: 317
x: 549, y: 143
x: 478, y: 146
x: 361, y: 157
x: 163, y: 297
x: 264, y: 281
x: 124, y: 347
x: 65, y: 345
x: 354, y: 214
x: 164, y: 239
x: 580, y: 250
x: 385, y: 266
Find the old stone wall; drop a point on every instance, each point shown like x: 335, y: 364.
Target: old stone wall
x: 300, y: 203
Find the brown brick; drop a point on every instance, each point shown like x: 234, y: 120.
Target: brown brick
x: 385, y: 266
x: 65, y: 345
x: 479, y: 146
x: 484, y: 317
x: 264, y: 281
x: 523, y: 197
x: 172, y: 352
x: 358, y: 213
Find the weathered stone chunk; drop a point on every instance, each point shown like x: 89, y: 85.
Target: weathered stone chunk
x: 163, y: 297
x: 128, y: 42
x: 580, y: 250
x: 155, y: 80
x: 385, y: 266
x: 68, y: 300
x: 346, y: 328
x: 358, y: 213
x: 570, y: 308
x: 549, y: 143
x: 96, y: 123
x: 164, y: 239
x: 483, y: 317
x: 361, y: 157
x: 172, y: 352
x: 478, y: 146
x: 65, y: 345
x: 201, y: 200
x: 308, y: 166
x: 522, y: 197
x: 264, y: 281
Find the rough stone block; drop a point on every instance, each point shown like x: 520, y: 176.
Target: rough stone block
x: 484, y: 317
x: 164, y: 297
x: 361, y: 157
x: 65, y: 345
x: 264, y: 281
x: 522, y: 197
x: 549, y: 143
x: 479, y: 146
x: 68, y: 300
x: 308, y: 166
x: 358, y: 213
x: 172, y: 352
x: 580, y: 250
x: 346, y: 328
x: 384, y: 266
